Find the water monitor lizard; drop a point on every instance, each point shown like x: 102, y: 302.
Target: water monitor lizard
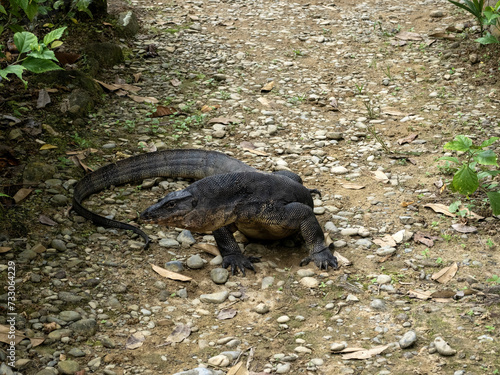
x: 229, y: 195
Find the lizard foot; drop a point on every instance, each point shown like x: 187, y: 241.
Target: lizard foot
x: 239, y: 262
x: 323, y: 259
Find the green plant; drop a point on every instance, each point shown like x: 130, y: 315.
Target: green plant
x: 33, y: 56
x: 490, y: 243
x: 426, y: 253
x: 475, y: 7
x: 494, y: 279
x: 439, y: 260
x: 466, y: 179
x: 490, y: 328
x: 359, y: 88
x: 387, y: 72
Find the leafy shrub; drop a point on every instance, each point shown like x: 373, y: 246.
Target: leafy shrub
x: 470, y: 171
x: 33, y: 56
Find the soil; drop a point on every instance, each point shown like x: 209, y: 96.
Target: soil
x: 337, y: 68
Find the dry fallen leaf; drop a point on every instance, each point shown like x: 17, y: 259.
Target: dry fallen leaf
x: 407, y: 35
x: 406, y: 204
x: 380, y: 176
x: 267, y: 87
x: 387, y: 240
x: 447, y: 293
x: 134, y: 341
x: 227, y: 314
x: 66, y: 58
x: 4, y: 249
x: 238, y: 369
x: 443, y: 209
x: 441, y: 35
x: 424, y: 238
x: 362, y: 353
x: 22, y: 194
x: 342, y: 260
x: 207, y: 108
x: 181, y: 332
x: 162, y: 110
x: 208, y: 248
x: 462, y: 228
x: 264, y: 102
x: 169, y: 274
x: 446, y: 274
x: 47, y: 147
x: 46, y: 220
x: 393, y: 112
x: 334, y: 104
x: 115, y: 87
x: 353, y: 186
x: 408, y: 139
x: 137, y: 77
x: 419, y: 294
x: 43, y: 99
x: 175, y: 82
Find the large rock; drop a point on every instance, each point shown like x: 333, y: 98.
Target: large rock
x: 128, y: 25
x: 36, y: 172
x: 106, y: 54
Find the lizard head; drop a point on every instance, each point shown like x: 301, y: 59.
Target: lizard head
x: 173, y: 210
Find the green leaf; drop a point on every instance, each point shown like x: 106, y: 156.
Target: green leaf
x: 494, y: 198
x: 489, y: 141
x: 56, y: 44
x: 465, y: 181
x: 486, y: 157
x: 24, y: 40
x: 449, y: 158
x: 31, y: 10
x: 44, y: 54
x: 39, y: 66
x: 460, y: 143
x: 469, y: 7
x: 488, y: 39
x: 14, y: 69
x: 53, y: 35
x: 2, y: 10
x: 455, y: 206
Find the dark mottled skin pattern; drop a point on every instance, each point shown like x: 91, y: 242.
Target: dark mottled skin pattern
x: 231, y: 195
x: 264, y: 206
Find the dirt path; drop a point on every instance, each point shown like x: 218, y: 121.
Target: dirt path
x: 336, y: 74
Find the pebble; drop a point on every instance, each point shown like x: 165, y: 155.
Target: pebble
x: 309, y: 282
x: 195, y: 262
x: 219, y: 275
x: 338, y: 346
x: 267, y: 282
x: 261, y: 308
x: 217, y: 297
x: 443, y: 348
x: 68, y: 367
x: 408, y: 339
x: 378, y: 304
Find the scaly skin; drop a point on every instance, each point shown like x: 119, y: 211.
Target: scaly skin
x: 264, y: 206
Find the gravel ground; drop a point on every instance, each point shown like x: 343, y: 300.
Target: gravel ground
x: 322, y: 89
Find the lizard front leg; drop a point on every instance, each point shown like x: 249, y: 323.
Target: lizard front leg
x: 313, y: 235
x: 231, y: 253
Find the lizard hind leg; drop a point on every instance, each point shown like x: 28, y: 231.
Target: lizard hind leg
x: 231, y: 253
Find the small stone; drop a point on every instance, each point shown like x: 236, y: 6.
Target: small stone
x: 70, y: 316
x: 76, y: 352
x: 186, y: 238
x: 168, y: 242
x: 339, y: 170
x: 283, y: 368
x: 408, y: 339
x: 437, y: 14
x: 267, y: 282
x: 68, y: 367
x: 219, y: 360
x: 303, y: 349
x: 443, y: 348
x: 305, y: 272
x: 261, y: 308
x: 283, y: 319
x: 338, y: 346
x: 219, y: 275
x: 309, y: 282
x: 352, y: 298
x: 218, y: 297
x: 383, y: 279
x: 378, y: 304
x: 174, y: 266
x: 84, y: 327
x: 195, y: 262
x: 386, y: 250
x: 473, y: 58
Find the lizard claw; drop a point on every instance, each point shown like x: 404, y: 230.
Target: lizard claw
x: 323, y: 259
x: 239, y: 262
